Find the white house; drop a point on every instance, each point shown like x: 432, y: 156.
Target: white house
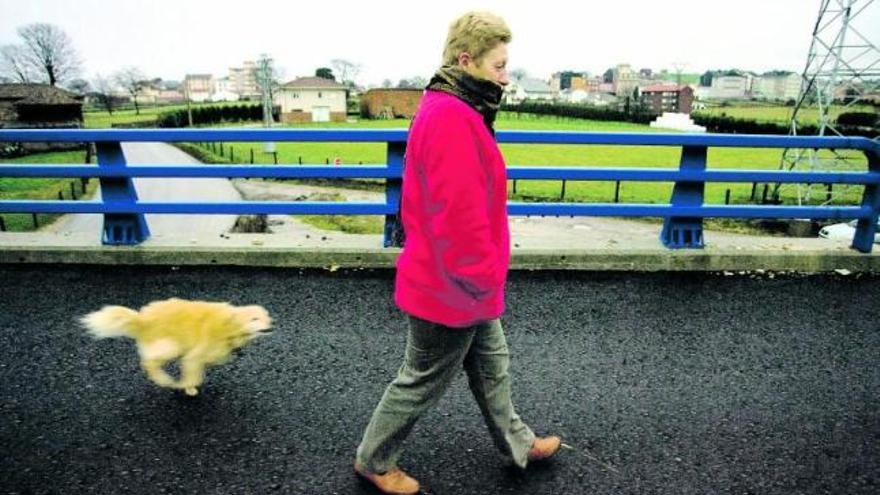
x: 223, y: 90
x: 528, y: 89
x: 573, y: 95
x: 311, y: 99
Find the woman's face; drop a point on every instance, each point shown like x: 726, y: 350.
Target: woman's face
x: 492, y: 66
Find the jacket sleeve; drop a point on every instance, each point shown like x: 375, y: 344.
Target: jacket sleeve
x: 457, y: 186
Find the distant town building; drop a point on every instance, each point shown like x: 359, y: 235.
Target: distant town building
x: 528, y: 89
x: 311, y: 99
x: 599, y: 99
x: 555, y: 82
x: 865, y: 91
x: 583, y: 97
x: 390, y: 103
x: 731, y: 86
x: 592, y: 84
x: 223, y: 90
x: 158, y: 92
x: 577, y: 82
x: 568, y: 80
x: 624, y: 79
x: 198, y: 87
x: 777, y: 86
x: 659, y: 98
x: 243, y: 80
x: 575, y: 96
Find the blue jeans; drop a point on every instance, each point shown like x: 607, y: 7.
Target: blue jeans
x: 434, y: 354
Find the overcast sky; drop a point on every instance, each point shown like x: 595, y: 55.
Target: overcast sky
x: 397, y: 39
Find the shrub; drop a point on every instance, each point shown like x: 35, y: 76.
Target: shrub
x: 865, y: 119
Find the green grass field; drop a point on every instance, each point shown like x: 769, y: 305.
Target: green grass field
x: 549, y: 155
x: 27, y: 188
x: 778, y: 113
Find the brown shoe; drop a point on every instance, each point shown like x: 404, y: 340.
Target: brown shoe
x: 544, y: 448
x: 394, y: 482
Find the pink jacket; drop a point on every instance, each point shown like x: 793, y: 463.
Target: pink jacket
x: 453, y: 266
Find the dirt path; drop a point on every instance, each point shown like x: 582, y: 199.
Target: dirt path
x: 526, y: 232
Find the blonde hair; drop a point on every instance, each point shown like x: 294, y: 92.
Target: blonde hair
x: 475, y: 33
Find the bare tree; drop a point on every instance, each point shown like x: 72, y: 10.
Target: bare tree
x: 103, y: 91
x: 133, y: 81
x: 268, y: 80
x: 48, y: 50
x: 268, y: 74
x: 13, y: 65
x: 346, y: 70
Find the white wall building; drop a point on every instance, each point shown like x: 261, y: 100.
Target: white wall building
x: 311, y: 99
x: 198, y: 87
x: 730, y: 87
x: 625, y: 80
x: 573, y: 96
x: 243, y: 80
x: 777, y: 87
x: 223, y: 90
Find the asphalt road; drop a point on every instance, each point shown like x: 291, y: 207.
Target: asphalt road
x: 663, y: 383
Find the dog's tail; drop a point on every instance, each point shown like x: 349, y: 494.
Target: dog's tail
x: 110, y: 321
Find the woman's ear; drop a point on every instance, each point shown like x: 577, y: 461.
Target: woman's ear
x: 464, y: 59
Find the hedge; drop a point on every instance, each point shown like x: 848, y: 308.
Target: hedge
x: 214, y: 115
x: 848, y: 126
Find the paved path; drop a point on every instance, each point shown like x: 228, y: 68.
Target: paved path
x: 180, y: 189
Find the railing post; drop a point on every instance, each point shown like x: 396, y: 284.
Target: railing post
x: 119, y: 228
x: 686, y: 232
x: 866, y: 228
x: 392, y: 190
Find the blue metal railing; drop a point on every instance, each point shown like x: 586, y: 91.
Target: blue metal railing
x: 124, y: 222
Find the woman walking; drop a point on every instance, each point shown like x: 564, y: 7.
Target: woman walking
x: 452, y: 271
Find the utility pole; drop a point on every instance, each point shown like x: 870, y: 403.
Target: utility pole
x: 265, y: 79
x: 679, y: 67
x: 189, y: 113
